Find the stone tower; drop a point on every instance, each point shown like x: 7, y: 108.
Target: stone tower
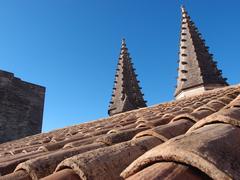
x: 197, y: 70
x: 127, y: 93
x: 21, y: 107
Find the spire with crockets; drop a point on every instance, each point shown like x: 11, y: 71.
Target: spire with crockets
x: 127, y: 93
x: 197, y: 70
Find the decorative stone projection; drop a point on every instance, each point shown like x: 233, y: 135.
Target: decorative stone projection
x: 21, y: 107
x: 197, y: 70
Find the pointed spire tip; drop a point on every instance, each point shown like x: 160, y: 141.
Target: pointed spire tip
x: 183, y: 8
x: 123, y: 41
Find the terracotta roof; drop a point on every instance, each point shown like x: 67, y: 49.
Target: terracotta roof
x: 196, y: 137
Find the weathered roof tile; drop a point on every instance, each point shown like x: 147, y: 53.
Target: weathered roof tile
x: 211, y: 146
x: 169, y: 170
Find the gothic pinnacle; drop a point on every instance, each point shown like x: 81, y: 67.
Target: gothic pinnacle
x: 127, y: 93
x: 197, y: 70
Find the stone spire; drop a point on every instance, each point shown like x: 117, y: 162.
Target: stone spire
x: 197, y: 70
x: 126, y: 92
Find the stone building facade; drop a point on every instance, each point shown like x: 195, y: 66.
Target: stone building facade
x: 21, y: 107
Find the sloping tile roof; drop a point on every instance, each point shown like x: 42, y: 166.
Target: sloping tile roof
x: 195, y: 137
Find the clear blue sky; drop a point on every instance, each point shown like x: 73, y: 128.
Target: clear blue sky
x: 71, y: 47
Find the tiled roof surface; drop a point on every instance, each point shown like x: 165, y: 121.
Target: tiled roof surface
x: 196, y: 137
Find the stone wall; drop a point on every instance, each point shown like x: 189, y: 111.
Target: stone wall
x: 21, y: 107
